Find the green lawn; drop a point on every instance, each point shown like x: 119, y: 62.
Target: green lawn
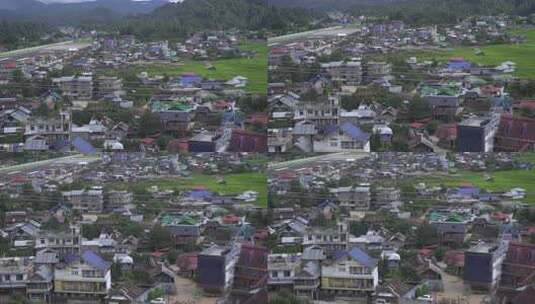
x: 235, y: 184
x: 502, y: 181
x: 522, y: 54
x: 255, y: 69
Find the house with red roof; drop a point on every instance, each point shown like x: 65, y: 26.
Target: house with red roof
x: 246, y: 141
x: 251, y: 275
x: 518, y: 270
x: 187, y: 264
x: 447, y: 135
x: 515, y: 134
x: 454, y: 259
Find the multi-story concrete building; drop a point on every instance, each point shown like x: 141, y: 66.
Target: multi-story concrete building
x: 477, y: 134
x: 377, y: 69
x: 215, y: 267
x: 75, y: 87
x: 351, y: 274
x: 63, y: 242
x: 51, y: 129
x: 86, y: 276
x: 331, y: 240
x: 483, y: 265
x: 14, y: 274
x: 353, y: 198
x: 347, y: 73
x: 117, y: 199
x: 40, y: 284
x: 321, y: 114
x: 85, y: 201
x: 281, y: 268
x: 109, y: 86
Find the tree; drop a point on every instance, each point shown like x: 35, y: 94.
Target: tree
x: 159, y: 238
x: 418, y: 109
x: 155, y: 293
x: 91, y: 231
x: 52, y: 224
x: 432, y: 127
x: 116, y: 272
x: 358, y: 228
x: 149, y: 124
x: 172, y: 256
x: 426, y: 234
x: 286, y: 298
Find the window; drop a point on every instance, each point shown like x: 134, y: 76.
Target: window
x: 287, y: 273
x: 274, y: 274
x: 19, y: 277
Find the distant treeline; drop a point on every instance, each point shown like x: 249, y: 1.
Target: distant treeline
x: 183, y: 19
x: 417, y: 12
x: 18, y: 34
x: 444, y: 11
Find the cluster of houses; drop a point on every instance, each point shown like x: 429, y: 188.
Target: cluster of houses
x: 340, y: 93
x: 195, y: 114
x: 352, y: 230
x: 213, y: 245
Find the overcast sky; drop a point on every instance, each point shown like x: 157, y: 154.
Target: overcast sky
x: 74, y: 1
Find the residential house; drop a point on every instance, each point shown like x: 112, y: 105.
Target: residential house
x: 515, y: 134
x: 216, y: 266
x: 251, y: 275
x: 55, y: 130
x: 75, y: 87
x: 477, y: 134
x: 14, y: 275
x: 85, y: 201
x: 84, y: 276
x: 64, y: 242
x: 518, y: 270
x: 353, y: 198
x: 331, y: 240
x: 483, y: 265
x: 281, y: 268
x: 350, y: 274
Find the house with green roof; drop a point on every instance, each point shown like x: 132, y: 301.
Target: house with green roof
x: 185, y: 228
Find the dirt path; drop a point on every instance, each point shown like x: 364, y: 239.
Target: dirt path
x: 188, y: 293
x: 454, y: 288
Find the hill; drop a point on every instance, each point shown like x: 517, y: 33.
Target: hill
x: 181, y: 19
x: 74, y: 13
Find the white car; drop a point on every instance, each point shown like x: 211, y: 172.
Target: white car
x: 158, y: 301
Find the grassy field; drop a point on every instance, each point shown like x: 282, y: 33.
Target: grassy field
x: 501, y: 181
x: 235, y: 184
x: 255, y: 69
x: 522, y: 54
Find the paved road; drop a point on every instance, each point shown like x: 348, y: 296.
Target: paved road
x: 310, y: 161
x: 71, y: 159
x: 66, y: 45
x: 319, y: 33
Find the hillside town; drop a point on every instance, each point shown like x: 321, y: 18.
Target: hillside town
x: 117, y: 93
x: 376, y: 85
x: 403, y: 228
x: 134, y: 228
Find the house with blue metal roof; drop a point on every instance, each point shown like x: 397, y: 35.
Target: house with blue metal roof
x: 86, y: 275
x: 351, y: 273
x: 344, y: 137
